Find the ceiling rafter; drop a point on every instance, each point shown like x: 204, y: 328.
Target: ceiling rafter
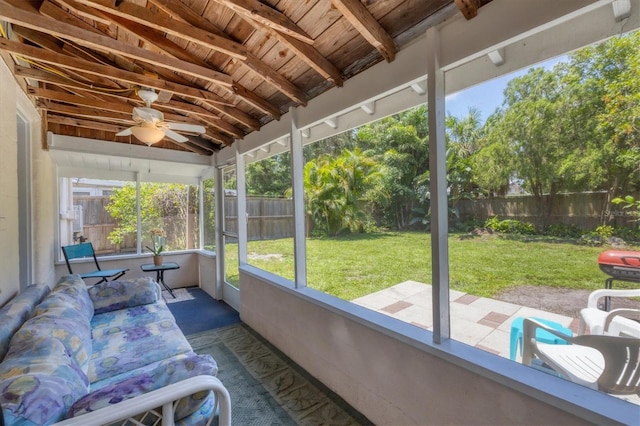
x: 267, y: 16
x: 106, y: 44
x: 358, y: 16
x: 305, y: 52
x: 268, y: 74
x: 49, y: 43
x: 144, y: 16
x: 469, y: 8
x: 152, y: 36
x: 84, y: 123
x: 69, y: 62
x: 212, y: 99
x: 210, y: 118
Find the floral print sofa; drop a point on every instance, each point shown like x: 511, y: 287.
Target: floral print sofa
x: 81, y: 355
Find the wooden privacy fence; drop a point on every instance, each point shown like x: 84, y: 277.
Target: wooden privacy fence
x: 95, y: 224
x: 584, y: 210
x: 267, y: 218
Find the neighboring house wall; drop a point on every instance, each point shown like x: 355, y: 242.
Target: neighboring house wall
x: 405, y: 379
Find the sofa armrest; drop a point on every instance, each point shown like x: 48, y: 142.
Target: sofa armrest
x: 165, y: 398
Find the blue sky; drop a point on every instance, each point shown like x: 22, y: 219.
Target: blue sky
x: 488, y: 96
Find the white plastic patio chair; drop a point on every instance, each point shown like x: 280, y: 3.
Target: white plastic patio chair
x: 595, y: 318
x: 607, y: 363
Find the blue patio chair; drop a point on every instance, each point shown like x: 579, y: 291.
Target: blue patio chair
x: 85, y: 250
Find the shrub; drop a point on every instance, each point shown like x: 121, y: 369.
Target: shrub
x: 510, y: 226
x: 562, y: 230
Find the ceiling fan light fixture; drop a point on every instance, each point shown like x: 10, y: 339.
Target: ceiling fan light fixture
x: 147, y: 134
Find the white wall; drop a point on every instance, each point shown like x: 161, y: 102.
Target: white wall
x: 394, y: 375
x: 42, y: 191
x: 9, y: 268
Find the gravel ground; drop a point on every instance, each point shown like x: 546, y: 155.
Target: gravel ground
x: 561, y: 301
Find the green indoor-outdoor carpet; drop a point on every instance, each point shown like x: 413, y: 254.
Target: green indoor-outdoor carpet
x: 266, y: 388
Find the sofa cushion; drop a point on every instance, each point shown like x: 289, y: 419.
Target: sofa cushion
x: 15, y: 312
x: 39, y: 386
x: 113, y: 295
x: 69, y: 291
x: 125, y: 347
x: 65, y: 324
x: 151, y: 377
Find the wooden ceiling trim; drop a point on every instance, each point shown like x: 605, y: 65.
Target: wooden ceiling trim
x: 267, y: 16
x: 267, y: 73
x: 103, y: 43
x: 358, y: 15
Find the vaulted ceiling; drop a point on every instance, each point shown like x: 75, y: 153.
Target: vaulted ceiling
x: 229, y: 65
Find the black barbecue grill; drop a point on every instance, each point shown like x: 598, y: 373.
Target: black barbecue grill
x: 619, y: 265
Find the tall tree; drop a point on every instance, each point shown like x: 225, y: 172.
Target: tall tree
x: 533, y: 132
x: 400, y: 146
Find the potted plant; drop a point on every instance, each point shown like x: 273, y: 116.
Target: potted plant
x: 158, y: 246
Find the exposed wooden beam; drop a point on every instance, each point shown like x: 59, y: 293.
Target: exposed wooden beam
x: 268, y: 16
x: 104, y: 43
x: 86, y: 124
x: 207, y: 117
x: 261, y: 69
x: 56, y: 95
x: 152, y: 36
x: 82, y: 10
x: 89, y: 113
x: 469, y: 8
x: 358, y: 16
x: 176, y: 28
x: 69, y: 62
x: 313, y: 58
x: 48, y: 42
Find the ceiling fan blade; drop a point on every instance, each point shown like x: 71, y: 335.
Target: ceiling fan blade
x: 193, y: 128
x: 175, y: 136
x: 125, y: 132
x: 149, y: 115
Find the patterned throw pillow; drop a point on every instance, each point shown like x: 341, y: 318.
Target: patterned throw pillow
x: 113, y: 295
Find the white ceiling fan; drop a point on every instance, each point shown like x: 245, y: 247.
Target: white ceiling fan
x: 151, y: 127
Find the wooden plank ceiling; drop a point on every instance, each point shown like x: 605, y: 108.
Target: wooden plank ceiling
x: 229, y: 65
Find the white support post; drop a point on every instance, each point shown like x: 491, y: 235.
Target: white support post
x: 241, y: 189
x: 297, y: 174
x: 139, y: 215
x: 219, y: 211
x: 438, y: 188
x: 201, y: 214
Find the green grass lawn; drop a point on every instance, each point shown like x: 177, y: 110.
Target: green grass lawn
x: 356, y: 265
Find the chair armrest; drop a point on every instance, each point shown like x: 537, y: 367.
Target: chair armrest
x: 627, y: 322
x: 164, y: 398
x: 594, y: 296
x: 530, y: 327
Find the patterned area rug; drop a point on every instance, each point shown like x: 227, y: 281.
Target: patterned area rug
x: 181, y: 294
x: 265, y: 387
